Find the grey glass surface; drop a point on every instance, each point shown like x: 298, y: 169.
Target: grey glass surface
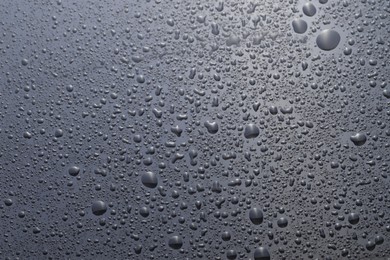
x: 178, y: 129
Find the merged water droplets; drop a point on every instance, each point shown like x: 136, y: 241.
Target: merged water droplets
x: 212, y: 127
x: 359, y: 139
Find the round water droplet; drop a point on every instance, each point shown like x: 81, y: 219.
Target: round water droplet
x: 282, y: 222
x: 140, y: 78
x: 299, y: 25
x: 309, y: 9
x: 256, y: 216
x: 379, y: 240
x: 261, y: 253
x: 273, y: 110
x: 386, y: 93
x: 251, y: 131
x: 144, y: 212
x: 74, y: 170
x: 370, y: 245
x: 353, y: 218
x: 69, y: 88
x: 226, y: 236
x: 58, y: 133
x: 21, y: 214
x: 231, y: 254
x: 99, y: 207
x: 328, y: 40
x: 175, y: 242
x: 24, y: 62
x: 149, y: 179
x: 8, y: 202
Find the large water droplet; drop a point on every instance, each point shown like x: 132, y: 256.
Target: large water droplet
x: 74, y: 170
x: 175, y: 242
x: 99, y: 207
x: 299, y: 25
x: 309, y: 9
x: 256, y: 216
x: 359, y: 139
x: 261, y: 253
x: 149, y: 179
x: 353, y: 218
x: 282, y: 222
x: 251, y: 131
x: 328, y: 40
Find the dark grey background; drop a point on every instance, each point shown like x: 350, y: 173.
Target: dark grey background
x: 194, y: 130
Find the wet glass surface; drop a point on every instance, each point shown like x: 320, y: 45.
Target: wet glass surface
x: 151, y: 129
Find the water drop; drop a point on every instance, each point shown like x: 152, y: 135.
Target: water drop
x: 299, y: 25
x: 74, y: 170
x: 261, y: 253
x: 149, y: 179
x: 309, y: 9
x: 175, y: 242
x: 251, y: 131
x: 328, y: 39
x: 353, y: 218
x: 256, y: 216
x: 359, y: 139
x: 99, y: 207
